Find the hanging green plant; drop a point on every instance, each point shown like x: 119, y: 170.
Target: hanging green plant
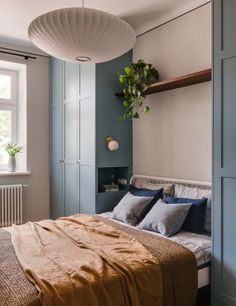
x: 135, y: 80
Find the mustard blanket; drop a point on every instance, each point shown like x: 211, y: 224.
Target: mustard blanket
x: 83, y: 261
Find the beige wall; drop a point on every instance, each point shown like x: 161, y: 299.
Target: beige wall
x: 36, y: 195
x: 174, y: 140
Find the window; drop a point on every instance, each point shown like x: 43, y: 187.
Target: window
x: 8, y: 111
x: 5, y: 86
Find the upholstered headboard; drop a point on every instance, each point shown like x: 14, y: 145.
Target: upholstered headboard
x: 138, y: 180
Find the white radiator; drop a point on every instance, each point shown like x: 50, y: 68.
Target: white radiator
x: 10, y: 205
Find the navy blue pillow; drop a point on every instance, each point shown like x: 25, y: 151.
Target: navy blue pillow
x: 143, y: 192
x: 196, y: 216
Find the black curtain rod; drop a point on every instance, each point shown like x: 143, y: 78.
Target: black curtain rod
x: 26, y: 57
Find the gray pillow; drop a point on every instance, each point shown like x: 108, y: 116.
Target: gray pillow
x: 130, y: 208
x: 165, y: 219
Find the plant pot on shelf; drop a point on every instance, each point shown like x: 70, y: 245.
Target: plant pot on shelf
x: 12, y: 164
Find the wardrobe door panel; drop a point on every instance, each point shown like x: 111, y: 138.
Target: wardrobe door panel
x: 87, y: 189
x: 228, y: 24
x: 56, y: 81
x: 70, y: 186
x: 56, y: 134
x: 71, y: 72
x: 56, y: 191
x: 86, y: 127
x: 56, y: 104
x: 87, y: 80
x: 70, y: 131
x: 224, y: 154
x: 87, y: 131
x: 228, y: 112
x: 228, y: 265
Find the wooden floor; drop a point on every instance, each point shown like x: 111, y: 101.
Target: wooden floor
x: 204, y: 297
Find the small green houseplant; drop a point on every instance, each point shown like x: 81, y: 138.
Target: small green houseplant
x: 135, y: 80
x: 12, y: 150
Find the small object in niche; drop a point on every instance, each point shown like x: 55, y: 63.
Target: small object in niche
x: 122, y: 183
x: 109, y: 188
x: 113, y: 179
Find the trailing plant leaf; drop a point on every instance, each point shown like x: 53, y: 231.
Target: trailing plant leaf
x: 135, y: 79
x: 126, y: 104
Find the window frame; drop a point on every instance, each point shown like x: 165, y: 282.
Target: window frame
x: 11, y: 105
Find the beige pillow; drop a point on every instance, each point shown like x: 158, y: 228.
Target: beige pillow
x: 182, y: 191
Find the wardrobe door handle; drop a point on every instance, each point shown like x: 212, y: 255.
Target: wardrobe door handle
x: 61, y: 161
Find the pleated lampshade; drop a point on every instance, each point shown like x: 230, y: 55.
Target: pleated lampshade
x: 82, y: 35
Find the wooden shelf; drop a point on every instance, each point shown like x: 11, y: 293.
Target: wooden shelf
x: 178, y: 82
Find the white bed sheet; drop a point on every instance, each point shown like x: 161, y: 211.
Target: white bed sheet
x: 200, y: 245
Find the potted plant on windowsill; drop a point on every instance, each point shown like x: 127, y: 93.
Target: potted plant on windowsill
x: 135, y: 80
x: 12, y: 150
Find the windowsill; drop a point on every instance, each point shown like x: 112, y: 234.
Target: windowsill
x: 17, y: 173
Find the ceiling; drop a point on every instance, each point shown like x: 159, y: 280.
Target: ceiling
x: 16, y: 15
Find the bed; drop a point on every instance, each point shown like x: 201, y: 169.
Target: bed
x: 200, y: 245
x: 97, y: 261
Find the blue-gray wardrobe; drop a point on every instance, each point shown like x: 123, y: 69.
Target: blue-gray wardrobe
x: 83, y: 111
x: 224, y: 153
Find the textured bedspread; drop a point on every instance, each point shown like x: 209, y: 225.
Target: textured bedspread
x: 15, y: 289
x: 114, y: 270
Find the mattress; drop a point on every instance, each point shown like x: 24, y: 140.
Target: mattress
x: 200, y: 245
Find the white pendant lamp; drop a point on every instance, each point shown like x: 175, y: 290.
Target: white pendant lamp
x: 82, y: 35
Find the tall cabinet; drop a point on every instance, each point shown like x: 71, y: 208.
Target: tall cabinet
x: 72, y: 136
x: 84, y: 110
x: 224, y: 154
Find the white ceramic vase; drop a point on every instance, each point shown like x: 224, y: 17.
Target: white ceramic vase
x: 12, y: 164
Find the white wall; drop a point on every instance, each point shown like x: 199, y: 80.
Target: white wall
x: 174, y: 139
x: 36, y: 195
